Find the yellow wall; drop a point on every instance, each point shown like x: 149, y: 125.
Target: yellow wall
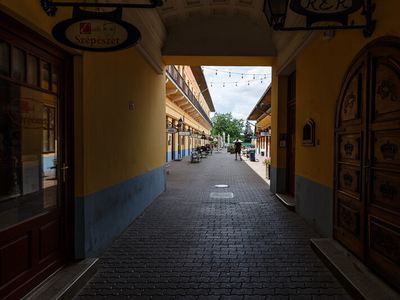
x: 320, y: 71
x: 119, y: 143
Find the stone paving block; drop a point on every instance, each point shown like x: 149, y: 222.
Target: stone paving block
x: 189, y: 245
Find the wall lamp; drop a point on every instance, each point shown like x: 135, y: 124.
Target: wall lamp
x: 320, y: 11
x: 50, y: 7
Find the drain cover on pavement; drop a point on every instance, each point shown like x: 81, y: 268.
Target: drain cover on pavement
x: 221, y: 185
x: 221, y: 195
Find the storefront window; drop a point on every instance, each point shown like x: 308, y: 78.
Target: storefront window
x: 18, y: 64
x: 28, y: 176
x: 33, y: 70
x: 4, y: 58
x: 45, y: 75
x: 48, y: 129
x: 56, y: 79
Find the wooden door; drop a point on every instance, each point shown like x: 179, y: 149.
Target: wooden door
x: 35, y: 214
x: 291, y: 146
x: 367, y: 195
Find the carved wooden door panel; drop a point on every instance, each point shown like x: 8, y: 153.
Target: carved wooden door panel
x: 383, y: 170
x: 367, y: 162
x: 350, y: 158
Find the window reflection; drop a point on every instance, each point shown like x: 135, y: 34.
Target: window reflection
x: 45, y: 75
x: 55, y: 79
x: 18, y: 64
x: 28, y: 176
x: 33, y: 70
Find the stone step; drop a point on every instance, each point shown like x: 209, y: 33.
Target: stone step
x: 66, y: 282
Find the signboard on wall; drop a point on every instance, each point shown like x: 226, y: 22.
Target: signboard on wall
x: 171, y: 130
x: 184, y: 133
x: 99, y: 32
x: 326, y: 10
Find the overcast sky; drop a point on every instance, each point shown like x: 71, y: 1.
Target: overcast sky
x: 241, y: 99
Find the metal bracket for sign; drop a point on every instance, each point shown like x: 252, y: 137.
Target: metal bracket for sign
x: 368, y: 28
x: 50, y: 7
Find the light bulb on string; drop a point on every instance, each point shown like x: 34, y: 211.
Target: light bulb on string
x: 248, y: 82
x: 211, y: 84
x: 216, y: 72
x: 242, y: 76
x: 223, y: 85
x: 229, y: 74
x: 254, y: 76
x: 236, y: 84
x: 265, y: 76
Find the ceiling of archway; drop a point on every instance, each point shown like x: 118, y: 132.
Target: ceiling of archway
x: 204, y: 27
x: 216, y: 27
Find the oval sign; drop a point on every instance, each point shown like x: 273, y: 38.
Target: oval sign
x: 171, y: 130
x: 28, y: 113
x: 96, y: 34
x: 325, y: 7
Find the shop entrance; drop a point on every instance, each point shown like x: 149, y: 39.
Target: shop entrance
x: 35, y: 169
x: 367, y: 159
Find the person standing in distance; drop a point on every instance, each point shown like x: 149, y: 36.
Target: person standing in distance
x: 238, y: 149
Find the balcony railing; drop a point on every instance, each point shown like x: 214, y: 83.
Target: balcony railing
x: 178, y: 80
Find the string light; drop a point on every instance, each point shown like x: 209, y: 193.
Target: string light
x: 234, y: 73
x: 231, y: 74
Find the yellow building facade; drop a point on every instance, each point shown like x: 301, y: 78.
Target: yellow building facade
x: 261, y: 113
x: 187, y: 111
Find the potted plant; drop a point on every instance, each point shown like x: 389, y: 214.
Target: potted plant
x: 267, y: 163
x: 198, y: 148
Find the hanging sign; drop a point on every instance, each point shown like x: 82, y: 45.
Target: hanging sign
x: 184, y: 133
x: 99, y: 32
x: 171, y: 130
x: 326, y: 10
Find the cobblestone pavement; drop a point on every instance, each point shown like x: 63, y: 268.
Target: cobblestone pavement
x: 197, y: 241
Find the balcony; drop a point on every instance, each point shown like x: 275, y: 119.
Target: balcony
x: 179, y: 82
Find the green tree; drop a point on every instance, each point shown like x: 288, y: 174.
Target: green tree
x: 248, y: 133
x: 228, y: 124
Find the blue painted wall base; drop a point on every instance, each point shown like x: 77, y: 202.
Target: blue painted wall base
x: 101, y: 217
x: 277, y: 180
x: 314, y: 203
